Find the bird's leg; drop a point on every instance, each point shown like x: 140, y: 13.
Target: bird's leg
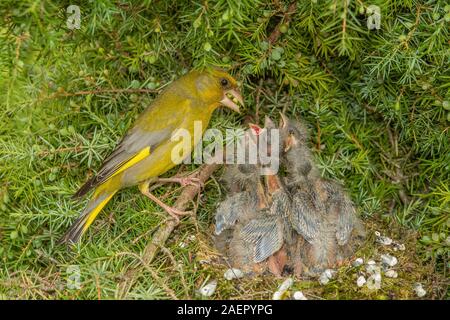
x: 173, y: 212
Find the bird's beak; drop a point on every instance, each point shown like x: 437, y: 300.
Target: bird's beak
x: 255, y: 132
x: 283, y: 120
x: 231, y: 98
x: 289, y: 142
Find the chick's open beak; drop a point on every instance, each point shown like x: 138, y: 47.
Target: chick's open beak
x: 289, y: 142
x: 230, y: 99
x: 283, y: 120
x: 256, y: 130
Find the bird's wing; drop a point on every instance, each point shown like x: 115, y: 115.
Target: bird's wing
x: 151, y: 129
x: 345, y: 220
x: 340, y: 204
x: 281, y: 204
x: 266, y: 233
x: 305, y: 219
x: 229, y: 210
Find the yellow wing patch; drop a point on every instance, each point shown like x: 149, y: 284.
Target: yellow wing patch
x: 144, y: 153
x: 138, y: 157
x: 95, y: 212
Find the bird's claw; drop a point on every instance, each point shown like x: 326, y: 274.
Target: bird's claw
x: 176, y: 214
x: 186, y: 181
x: 191, y: 181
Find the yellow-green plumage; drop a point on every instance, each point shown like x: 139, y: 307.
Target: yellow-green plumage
x: 146, y: 150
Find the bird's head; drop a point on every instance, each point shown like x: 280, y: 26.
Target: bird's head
x: 215, y: 87
x: 292, y: 133
x: 263, y: 134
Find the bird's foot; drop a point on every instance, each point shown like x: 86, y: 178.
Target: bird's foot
x: 173, y: 212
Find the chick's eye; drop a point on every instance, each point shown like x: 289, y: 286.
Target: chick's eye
x: 224, y: 82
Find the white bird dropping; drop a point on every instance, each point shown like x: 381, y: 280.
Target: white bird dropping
x: 420, y: 291
x: 360, y: 281
x: 208, y: 289
x: 326, y: 276
x: 298, y: 295
x: 389, y: 260
x: 385, y: 241
x: 374, y: 281
x: 372, y: 267
x: 282, y: 289
x: 358, y: 262
x: 233, y: 273
x: 391, y: 274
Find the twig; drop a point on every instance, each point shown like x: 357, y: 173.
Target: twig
x: 64, y: 94
x: 319, y: 133
x: 19, y: 40
x: 99, y: 290
x: 97, y: 91
x: 161, y: 236
x: 153, y: 273
x: 48, y: 152
x: 180, y: 270
x: 344, y: 20
x: 258, y: 96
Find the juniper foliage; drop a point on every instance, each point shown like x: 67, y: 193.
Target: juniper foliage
x: 377, y: 101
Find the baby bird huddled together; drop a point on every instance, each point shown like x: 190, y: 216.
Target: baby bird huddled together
x: 296, y: 222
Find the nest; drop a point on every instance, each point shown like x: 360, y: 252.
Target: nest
x: 289, y: 219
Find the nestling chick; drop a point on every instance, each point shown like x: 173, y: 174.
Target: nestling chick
x: 258, y: 236
x: 246, y: 199
x: 256, y: 228
x: 229, y: 210
x: 272, y: 229
x: 302, y: 222
x: 322, y: 213
x: 297, y: 157
x: 246, y: 175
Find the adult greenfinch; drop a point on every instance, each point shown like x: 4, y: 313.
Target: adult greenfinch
x: 146, y: 150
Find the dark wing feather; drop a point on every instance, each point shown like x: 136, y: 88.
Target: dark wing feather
x: 305, y: 218
x: 342, y: 205
x: 266, y: 233
x: 231, y: 208
x: 281, y: 204
x: 147, y: 132
x: 131, y: 144
x: 346, y: 221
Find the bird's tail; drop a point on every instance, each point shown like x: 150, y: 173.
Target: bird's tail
x: 99, y: 199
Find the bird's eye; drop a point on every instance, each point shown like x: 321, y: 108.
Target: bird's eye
x: 291, y: 131
x: 224, y: 82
